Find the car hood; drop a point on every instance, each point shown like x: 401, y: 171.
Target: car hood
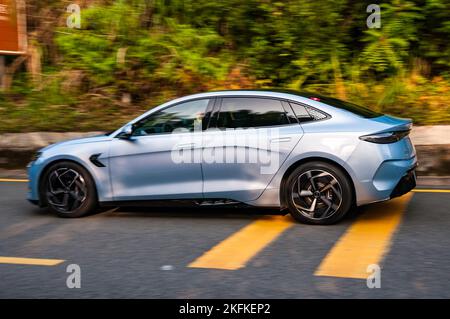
x: 84, y: 140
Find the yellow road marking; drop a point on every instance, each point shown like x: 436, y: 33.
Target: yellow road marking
x: 365, y: 242
x: 30, y: 261
x: 13, y: 180
x: 238, y: 249
x: 422, y: 190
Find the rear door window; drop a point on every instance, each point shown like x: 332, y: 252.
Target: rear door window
x: 236, y: 112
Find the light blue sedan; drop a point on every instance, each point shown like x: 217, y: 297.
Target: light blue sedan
x: 315, y: 157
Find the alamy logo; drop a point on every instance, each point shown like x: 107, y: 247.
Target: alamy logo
x: 74, y: 279
x: 74, y: 19
x: 374, y: 19
x: 230, y: 146
x: 374, y: 278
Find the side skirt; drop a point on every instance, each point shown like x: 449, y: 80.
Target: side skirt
x: 175, y: 203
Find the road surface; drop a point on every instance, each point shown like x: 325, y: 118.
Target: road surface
x: 226, y: 253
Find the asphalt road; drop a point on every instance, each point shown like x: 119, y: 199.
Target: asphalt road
x: 156, y: 253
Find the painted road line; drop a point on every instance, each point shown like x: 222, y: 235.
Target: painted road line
x: 366, y: 241
x: 30, y: 261
x: 13, y: 180
x: 422, y: 190
x: 237, y: 250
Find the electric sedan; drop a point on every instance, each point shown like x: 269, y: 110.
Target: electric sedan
x: 315, y: 157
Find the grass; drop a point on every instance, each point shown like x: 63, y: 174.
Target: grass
x: 52, y: 108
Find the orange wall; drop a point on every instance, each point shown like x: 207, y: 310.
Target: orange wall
x: 8, y: 26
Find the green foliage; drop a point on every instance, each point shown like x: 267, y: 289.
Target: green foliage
x: 131, y: 55
x: 388, y: 47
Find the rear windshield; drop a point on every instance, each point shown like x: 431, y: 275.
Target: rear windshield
x: 351, y: 107
x: 354, y: 108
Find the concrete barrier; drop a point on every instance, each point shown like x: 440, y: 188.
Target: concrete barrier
x: 430, y: 135
x: 35, y: 140
x: 420, y: 135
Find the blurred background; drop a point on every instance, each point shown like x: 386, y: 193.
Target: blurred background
x: 75, y: 68
x: 128, y: 56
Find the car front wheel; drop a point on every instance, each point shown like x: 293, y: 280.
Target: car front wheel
x: 68, y: 190
x: 318, y: 193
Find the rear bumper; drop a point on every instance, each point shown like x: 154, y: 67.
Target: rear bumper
x: 393, y: 178
x: 406, y: 183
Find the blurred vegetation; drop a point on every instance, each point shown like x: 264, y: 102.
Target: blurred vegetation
x: 131, y: 55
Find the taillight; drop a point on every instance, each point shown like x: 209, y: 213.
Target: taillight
x: 385, y: 138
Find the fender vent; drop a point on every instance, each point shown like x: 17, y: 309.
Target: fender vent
x: 94, y: 160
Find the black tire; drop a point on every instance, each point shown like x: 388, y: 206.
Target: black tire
x: 329, y: 206
x: 81, y: 196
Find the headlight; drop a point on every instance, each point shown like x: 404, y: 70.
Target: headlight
x: 36, y: 156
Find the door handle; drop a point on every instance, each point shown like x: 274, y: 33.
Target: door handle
x: 280, y: 140
x: 186, y: 145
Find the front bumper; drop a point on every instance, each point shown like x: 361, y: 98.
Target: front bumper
x: 406, y: 183
x: 34, y: 201
x: 33, y: 171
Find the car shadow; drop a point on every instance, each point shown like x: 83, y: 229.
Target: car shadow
x: 190, y: 212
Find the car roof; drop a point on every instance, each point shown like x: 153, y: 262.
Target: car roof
x: 253, y: 92
x: 322, y: 102
x: 292, y: 95
x: 302, y: 97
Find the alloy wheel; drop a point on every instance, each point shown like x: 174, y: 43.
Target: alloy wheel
x: 316, y: 194
x: 66, y: 190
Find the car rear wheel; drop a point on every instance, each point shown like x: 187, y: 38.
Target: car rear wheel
x: 318, y: 193
x: 68, y: 190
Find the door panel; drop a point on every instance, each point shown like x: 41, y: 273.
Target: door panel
x: 239, y: 163
x: 143, y: 168
x: 162, y: 160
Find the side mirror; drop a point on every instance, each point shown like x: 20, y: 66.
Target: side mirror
x: 126, y: 132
